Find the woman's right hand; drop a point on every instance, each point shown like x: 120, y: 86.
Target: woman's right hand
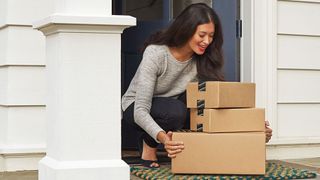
x: 172, y: 147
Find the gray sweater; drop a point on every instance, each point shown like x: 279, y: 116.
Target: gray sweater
x: 159, y: 75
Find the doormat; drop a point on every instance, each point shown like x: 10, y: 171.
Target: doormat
x: 273, y: 171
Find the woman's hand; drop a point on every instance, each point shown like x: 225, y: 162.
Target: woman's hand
x: 172, y: 147
x: 268, y: 131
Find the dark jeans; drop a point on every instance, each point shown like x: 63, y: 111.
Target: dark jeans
x: 170, y: 114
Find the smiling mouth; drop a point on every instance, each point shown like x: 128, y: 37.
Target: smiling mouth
x: 202, y: 48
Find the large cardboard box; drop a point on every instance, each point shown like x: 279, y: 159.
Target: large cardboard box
x: 227, y: 120
x: 220, y: 153
x: 216, y: 94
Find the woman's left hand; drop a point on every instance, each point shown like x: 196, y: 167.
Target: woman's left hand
x: 268, y: 131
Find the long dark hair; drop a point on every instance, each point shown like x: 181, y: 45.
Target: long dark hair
x: 209, y: 64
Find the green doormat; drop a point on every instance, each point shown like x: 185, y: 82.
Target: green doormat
x: 273, y: 171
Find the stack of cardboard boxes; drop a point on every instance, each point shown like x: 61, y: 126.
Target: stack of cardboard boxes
x: 228, y: 131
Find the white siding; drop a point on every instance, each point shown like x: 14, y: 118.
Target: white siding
x: 26, y: 125
x: 23, y: 39
x: 284, y: 60
x: 23, y: 85
x: 3, y: 45
x: 298, y: 86
x: 18, y: 126
x: 298, y: 18
x: 298, y: 70
x: 3, y: 84
x: 3, y: 126
x: 298, y: 120
x: 3, y: 13
x: 298, y: 52
x: 27, y: 11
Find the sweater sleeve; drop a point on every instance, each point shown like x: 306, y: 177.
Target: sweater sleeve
x: 146, y: 78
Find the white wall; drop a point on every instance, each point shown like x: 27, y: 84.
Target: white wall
x: 23, y: 93
x: 298, y: 41
x: 22, y: 85
x: 280, y: 53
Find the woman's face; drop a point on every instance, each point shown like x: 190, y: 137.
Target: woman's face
x: 202, y: 38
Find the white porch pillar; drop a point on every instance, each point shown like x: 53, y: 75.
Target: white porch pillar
x: 83, y: 81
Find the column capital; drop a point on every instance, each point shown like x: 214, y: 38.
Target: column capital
x: 91, y: 24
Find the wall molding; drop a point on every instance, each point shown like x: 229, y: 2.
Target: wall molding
x: 20, y: 161
x: 303, y: 1
x: 295, y: 151
x: 20, y: 65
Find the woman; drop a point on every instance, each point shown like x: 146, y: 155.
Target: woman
x: 189, y: 50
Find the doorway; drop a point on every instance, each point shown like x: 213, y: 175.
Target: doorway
x: 153, y: 15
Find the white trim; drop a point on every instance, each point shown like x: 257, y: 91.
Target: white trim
x: 295, y: 141
x: 303, y: 1
x: 247, y: 41
x: 58, y: 23
x: 82, y: 164
x: 15, y: 25
x: 51, y: 169
x: 113, y: 20
x: 293, y: 151
x: 22, y: 105
x: 272, y: 63
x: 20, y: 162
x: 21, y: 65
x: 75, y: 28
x: 22, y: 149
x: 296, y: 34
x: 259, y: 54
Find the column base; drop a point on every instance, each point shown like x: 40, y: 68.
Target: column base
x: 51, y: 169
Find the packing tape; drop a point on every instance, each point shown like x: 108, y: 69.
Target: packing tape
x: 200, y: 104
x: 200, y: 112
x: 202, y: 86
x: 199, y: 127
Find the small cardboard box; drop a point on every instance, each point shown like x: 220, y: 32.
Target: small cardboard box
x: 220, y: 153
x: 216, y: 94
x: 227, y: 120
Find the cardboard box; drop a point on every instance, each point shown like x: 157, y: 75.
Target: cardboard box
x: 220, y: 153
x: 215, y: 94
x: 227, y: 120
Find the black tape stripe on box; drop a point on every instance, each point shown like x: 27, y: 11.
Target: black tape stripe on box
x: 202, y: 86
x: 200, y: 104
x: 200, y: 112
x: 199, y: 127
x: 183, y: 130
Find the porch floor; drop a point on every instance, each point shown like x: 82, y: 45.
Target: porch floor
x: 132, y: 157
x: 312, y: 164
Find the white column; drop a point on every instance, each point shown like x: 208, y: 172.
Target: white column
x: 84, y: 90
